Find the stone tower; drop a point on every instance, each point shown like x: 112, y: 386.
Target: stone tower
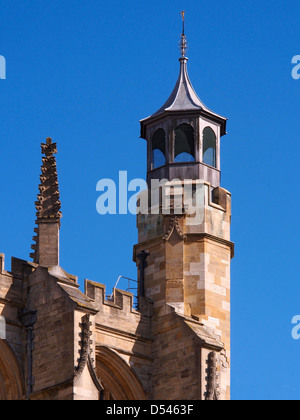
x: 184, y: 250
x: 60, y: 343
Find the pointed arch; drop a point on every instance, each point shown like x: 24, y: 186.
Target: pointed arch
x: 118, y: 379
x: 209, y: 147
x: 11, y: 381
x: 184, y: 144
x: 158, y: 148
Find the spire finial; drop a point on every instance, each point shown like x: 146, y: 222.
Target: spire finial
x: 48, y: 210
x: 183, y: 20
x: 183, y: 45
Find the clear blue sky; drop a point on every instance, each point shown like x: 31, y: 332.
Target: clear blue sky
x: 86, y: 72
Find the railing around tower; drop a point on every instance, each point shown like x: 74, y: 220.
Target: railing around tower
x: 130, y: 289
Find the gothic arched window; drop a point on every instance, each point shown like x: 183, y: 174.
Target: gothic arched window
x: 158, y: 148
x: 118, y: 379
x: 209, y: 147
x: 184, y: 144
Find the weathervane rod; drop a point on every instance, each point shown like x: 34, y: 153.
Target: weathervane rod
x: 183, y: 46
x: 183, y: 21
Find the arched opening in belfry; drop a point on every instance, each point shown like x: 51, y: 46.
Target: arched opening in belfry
x: 11, y: 382
x: 158, y: 148
x: 117, y: 378
x: 209, y: 147
x: 184, y: 144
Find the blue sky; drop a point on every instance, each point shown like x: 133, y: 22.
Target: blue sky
x: 85, y: 73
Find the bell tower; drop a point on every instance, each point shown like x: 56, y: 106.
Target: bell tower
x: 183, y: 136
x: 186, y: 241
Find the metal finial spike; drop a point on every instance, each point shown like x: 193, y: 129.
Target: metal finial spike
x: 183, y: 21
x: 183, y: 45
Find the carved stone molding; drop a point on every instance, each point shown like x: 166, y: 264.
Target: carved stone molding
x: 48, y: 205
x: 29, y: 319
x: 212, y: 377
x: 85, y: 358
x: 85, y: 346
x: 174, y: 226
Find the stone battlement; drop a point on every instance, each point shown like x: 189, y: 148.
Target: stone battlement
x: 120, y: 300
x: 119, y: 313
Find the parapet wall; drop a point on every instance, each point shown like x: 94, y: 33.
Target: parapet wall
x: 119, y: 312
x: 205, y: 210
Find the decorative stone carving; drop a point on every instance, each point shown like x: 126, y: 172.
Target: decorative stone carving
x: 85, y: 345
x: 212, y: 378
x: 174, y: 226
x: 85, y: 354
x: 48, y: 205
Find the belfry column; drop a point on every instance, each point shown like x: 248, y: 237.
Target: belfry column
x: 46, y: 248
x: 189, y: 246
